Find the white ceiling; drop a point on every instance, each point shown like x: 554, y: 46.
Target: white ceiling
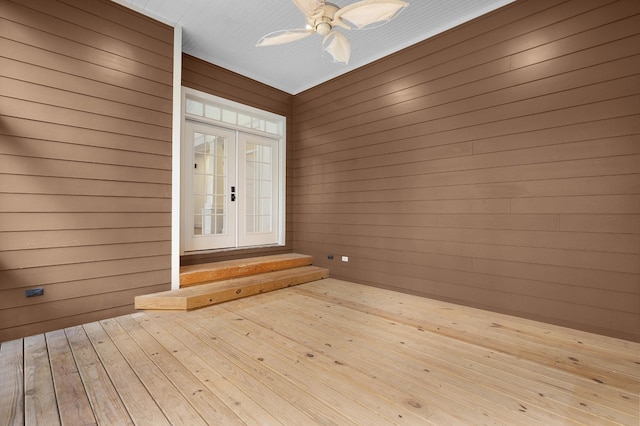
x: 224, y: 32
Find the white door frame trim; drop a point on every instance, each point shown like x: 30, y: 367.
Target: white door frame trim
x: 176, y: 136
x: 200, y: 96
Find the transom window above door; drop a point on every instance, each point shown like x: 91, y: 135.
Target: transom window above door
x: 222, y: 113
x: 232, y: 175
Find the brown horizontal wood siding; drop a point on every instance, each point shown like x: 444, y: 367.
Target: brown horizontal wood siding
x: 496, y: 165
x: 85, y: 161
x: 214, y: 80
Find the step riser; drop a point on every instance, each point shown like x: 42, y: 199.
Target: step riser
x: 241, y: 268
x: 222, y: 291
x: 251, y: 290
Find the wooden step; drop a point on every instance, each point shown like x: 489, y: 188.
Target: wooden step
x: 221, y: 291
x: 208, y: 272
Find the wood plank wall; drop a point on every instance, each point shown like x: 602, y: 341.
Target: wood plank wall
x: 85, y: 161
x: 496, y: 165
x: 212, y: 79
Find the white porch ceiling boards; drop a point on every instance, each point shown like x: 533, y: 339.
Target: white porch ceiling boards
x: 224, y: 32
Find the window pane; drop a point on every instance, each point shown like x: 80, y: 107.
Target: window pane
x: 250, y: 152
x: 221, y: 146
x: 266, y: 154
x: 265, y: 171
x: 220, y: 204
x: 198, y: 141
x: 198, y: 204
x: 265, y: 225
x: 250, y: 188
x: 251, y: 219
x: 220, y: 188
x: 194, y: 107
x: 219, y: 224
x: 212, y: 112
x: 265, y: 206
x: 258, y: 124
x: 250, y: 171
x: 266, y: 189
x: 253, y: 206
x: 209, y: 164
x: 244, y: 120
x: 208, y: 141
x: 197, y: 224
x: 198, y: 184
x: 272, y: 127
x: 229, y: 116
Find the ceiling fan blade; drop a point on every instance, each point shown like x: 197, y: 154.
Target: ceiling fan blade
x: 338, y: 46
x: 369, y: 12
x: 308, y: 6
x: 284, y: 36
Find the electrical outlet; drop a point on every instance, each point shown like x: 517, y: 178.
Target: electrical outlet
x: 34, y: 292
x: 345, y: 258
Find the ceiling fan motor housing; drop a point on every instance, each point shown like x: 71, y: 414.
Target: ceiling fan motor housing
x: 322, y: 18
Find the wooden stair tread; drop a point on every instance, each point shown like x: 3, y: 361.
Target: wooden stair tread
x: 203, y: 273
x: 221, y: 291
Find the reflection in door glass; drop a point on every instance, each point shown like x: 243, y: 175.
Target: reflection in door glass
x: 209, y: 184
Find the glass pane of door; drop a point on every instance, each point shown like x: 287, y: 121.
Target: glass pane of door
x: 258, y: 179
x: 210, y: 186
x: 259, y: 197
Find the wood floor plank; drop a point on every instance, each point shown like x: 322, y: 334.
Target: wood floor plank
x: 621, y: 349
x: 105, y: 402
x: 359, y: 401
x: 73, y: 404
x: 139, y: 403
x: 591, y: 391
x: 205, y: 402
x: 550, y: 331
x: 175, y: 406
x: 441, y: 400
x: 358, y: 388
x: 242, y: 404
x: 290, y: 410
x: 562, y: 353
x: 490, y: 336
x: 303, y: 410
x: 417, y: 351
x: 40, y: 398
x: 11, y: 377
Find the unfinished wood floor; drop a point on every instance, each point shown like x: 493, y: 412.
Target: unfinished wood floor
x: 327, y: 352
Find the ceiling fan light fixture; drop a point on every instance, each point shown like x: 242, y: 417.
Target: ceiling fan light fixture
x: 323, y: 28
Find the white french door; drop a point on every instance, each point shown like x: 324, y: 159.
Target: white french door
x: 209, y: 214
x: 257, y: 190
x: 230, y: 188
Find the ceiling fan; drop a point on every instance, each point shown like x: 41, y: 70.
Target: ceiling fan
x: 323, y: 17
